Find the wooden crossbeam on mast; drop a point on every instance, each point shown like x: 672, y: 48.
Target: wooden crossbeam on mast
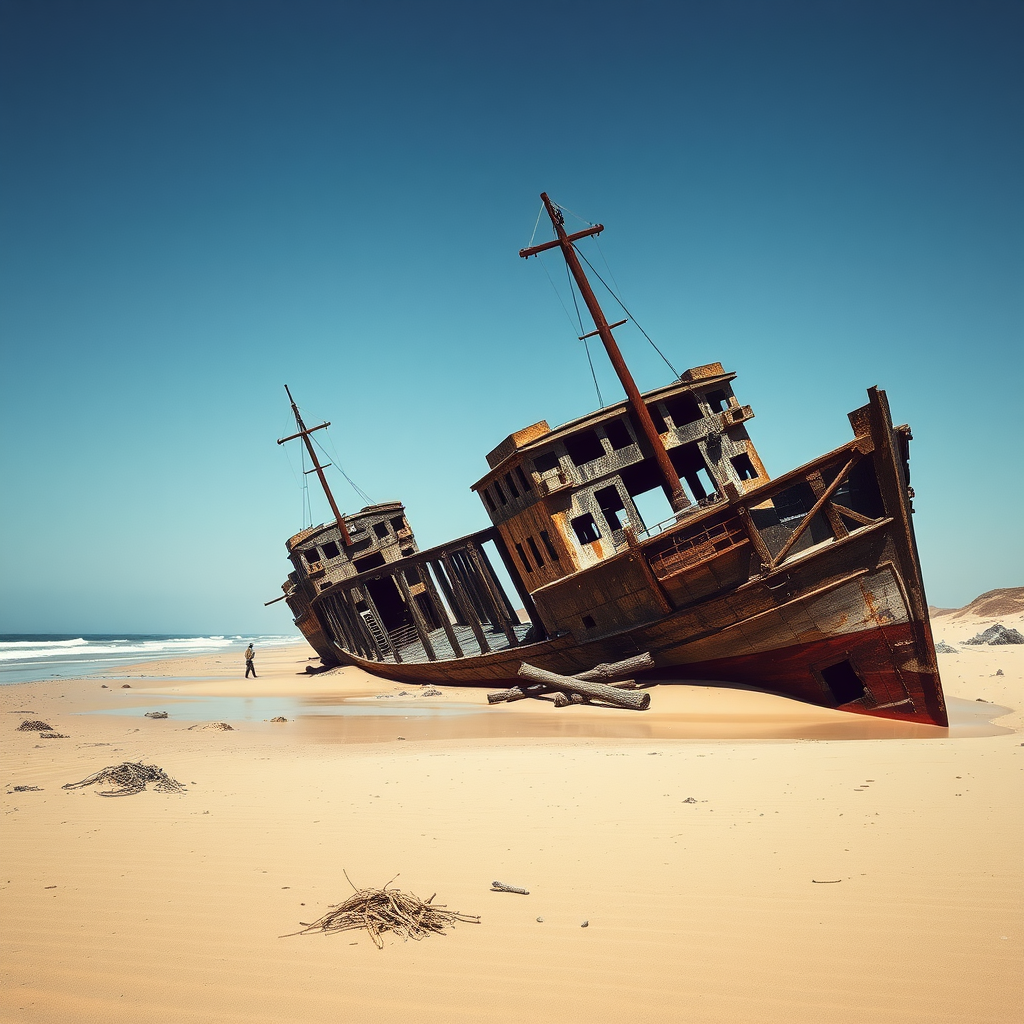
x: 304, y: 433
x: 642, y: 416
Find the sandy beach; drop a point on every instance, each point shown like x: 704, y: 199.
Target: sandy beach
x: 737, y: 857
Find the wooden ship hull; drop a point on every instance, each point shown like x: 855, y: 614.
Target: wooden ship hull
x: 807, y: 585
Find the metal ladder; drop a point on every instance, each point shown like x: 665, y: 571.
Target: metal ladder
x: 380, y: 637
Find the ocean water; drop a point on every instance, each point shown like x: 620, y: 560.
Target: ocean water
x: 26, y: 657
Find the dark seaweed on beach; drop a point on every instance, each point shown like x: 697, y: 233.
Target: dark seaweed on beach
x: 386, y: 910
x: 130, y: 778
x: 34, y: 727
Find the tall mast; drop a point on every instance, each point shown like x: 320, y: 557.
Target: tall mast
x: 304, y: 434
x: 641, y: 414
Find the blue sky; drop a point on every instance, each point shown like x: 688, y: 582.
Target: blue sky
x: 203, y: 201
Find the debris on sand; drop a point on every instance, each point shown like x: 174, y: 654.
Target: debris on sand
x: 943, y: 648
x: 34, y: 727
x: 997, y: 634
x: 28, y: 789
x: 219, y: 726
x: 386, y: 910
x: 280, y: 718
x: 431, y: 693
x: 156, y: 714
x: 502, y: 887
x: 53, y: 736
x: 130, y: 778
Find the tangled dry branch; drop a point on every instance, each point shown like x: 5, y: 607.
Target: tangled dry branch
x: 130, y: 778
x: 386, y: 910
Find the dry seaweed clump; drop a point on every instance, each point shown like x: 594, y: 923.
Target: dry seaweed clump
x: 386, y: 910
x: 130, y: 778
x: 34, y: 727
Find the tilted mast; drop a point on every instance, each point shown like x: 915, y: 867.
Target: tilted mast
x: 317, y: 468
x: 670, y: 478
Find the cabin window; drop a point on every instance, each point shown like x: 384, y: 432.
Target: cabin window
x: 522, y: 558
x: 584, y: 448
x: 718, y: 400
x: 552, y: 550
x: 398, y: 523
x: 743, y: 466
x: 586, y: 529
x: 588, y: 622
x: 311, y: 556
x: 381, y: 529
x: 656, y: 416
x: 619, y: 436
x: 327, y: 584
x: 500, y: 493
x: 511, y: 485
x: 611, y: 505
x: 488, y: 499
x: 683, y: 409
x: 522, y: 479
x: 369, y: 562
x: 532, y: 545
x: 406, y: 552
x: 331, y: 550
x: 843, y: 682
x: 546, y: 462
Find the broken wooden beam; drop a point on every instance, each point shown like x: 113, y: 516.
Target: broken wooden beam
x: 603, y: 673
x: 596, y: 691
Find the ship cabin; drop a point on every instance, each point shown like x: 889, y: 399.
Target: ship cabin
x: 378, y: 535
x: 566, y: 499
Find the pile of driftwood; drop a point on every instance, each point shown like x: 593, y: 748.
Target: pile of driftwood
x: 130, y: 778
x: 386, y: 910
x: 604, y: 684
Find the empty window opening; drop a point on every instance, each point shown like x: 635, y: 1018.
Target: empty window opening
x: 843, y: 682
x: 586, y: 529
x: 700, y: 483
x: 619, y: 436
x: 658, y: 417
x: 381, y: 529
x: 718, y: 400
x: 683, y: 409
x: 532, y: 545
x: 511, y: 485
x: 522, y: 479
x: 552, y: 550
x: 331, y: 550
x: 588, y: 622
x: 326, y: 585
x: 584, y: 448
x: 546, y: 462
x: 522, y: 558
x: 398, y: 523
x: 743, y: 466
x: 311, y: 556
x: 488, y: 499
x: 612, y: 507
x: 500, y: 493
x: 369, y: 562
x: 406, y: 552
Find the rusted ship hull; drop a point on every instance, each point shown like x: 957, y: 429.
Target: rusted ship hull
x: 826, y: 606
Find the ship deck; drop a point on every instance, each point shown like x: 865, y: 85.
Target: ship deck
x: 411, y: 650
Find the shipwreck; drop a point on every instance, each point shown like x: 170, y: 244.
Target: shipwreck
x: 807, y: 585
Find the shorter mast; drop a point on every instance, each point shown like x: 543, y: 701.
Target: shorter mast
x: 304, y: 434
x: 642, y: 416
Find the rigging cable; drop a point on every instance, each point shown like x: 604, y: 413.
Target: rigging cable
x: 336, y: 463
x: 586, y: 342
x: 675, y: 372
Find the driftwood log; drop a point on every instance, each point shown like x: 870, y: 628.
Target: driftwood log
x: 596, y: 691
x: 603, y: 673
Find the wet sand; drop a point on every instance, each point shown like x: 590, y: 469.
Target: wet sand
x: 829, y: 867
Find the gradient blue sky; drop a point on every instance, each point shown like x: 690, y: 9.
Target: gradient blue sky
x: 202, y: 201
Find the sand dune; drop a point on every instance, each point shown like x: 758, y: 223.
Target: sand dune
x: 865, y: 879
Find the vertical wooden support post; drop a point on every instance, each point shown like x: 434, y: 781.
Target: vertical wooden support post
x: 468, y: 575
x: 449, y: 594
x: 369, y: 645
x: 468, y: 610
x: 517, y: 582
x: 417, y: 619
x: 495, y: 584
x: 496, y: 595
x: 440, y: 609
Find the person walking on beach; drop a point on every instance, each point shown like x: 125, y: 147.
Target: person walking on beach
x: 250, y: 653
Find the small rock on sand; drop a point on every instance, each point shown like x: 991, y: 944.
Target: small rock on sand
x: 280, y: 718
